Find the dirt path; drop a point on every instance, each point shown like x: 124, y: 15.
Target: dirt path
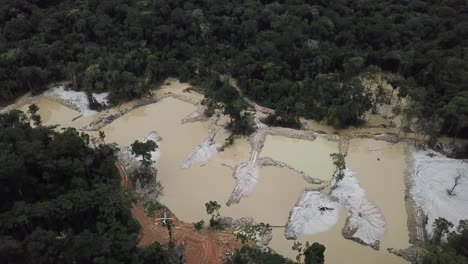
x: 124, y: 181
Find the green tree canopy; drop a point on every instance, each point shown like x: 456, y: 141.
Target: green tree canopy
x: 61, y: 200
x: 144, y: 150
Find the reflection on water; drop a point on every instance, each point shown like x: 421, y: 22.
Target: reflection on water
x: 312, y: 157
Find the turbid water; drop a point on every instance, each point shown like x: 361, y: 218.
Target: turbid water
x: 380, y: 167
x: 312, y: 157
x: 53, y: 113
x: 186, y: 191
x: 383, y: 181
x: 338, y: 249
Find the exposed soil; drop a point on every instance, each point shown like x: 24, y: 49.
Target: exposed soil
x: 204, y: 246
x: 124, y: 180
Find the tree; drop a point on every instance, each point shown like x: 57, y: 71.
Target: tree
x: 454, y: 250
x: 253, y: 254
x: 278, y: 53
x: 199, y: 225
x: 102, y: 136
x: 251, y: 233
x: 169, y: 230
x: 32, y: 110
x: 144, y: 150
x: 314, y: 254
x: 340, y: 165
x: 457, y: 113
x: 441, y: 227
x: 456, y: 182
x: 71, y: 212
x: 212, y: 208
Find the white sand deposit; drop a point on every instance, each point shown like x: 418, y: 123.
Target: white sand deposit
x: 77, y: 99
x: 433, y: 174
x: 203, y: 152
x: 309, y: 216
x: 246, y: 175
x: 365, y: 221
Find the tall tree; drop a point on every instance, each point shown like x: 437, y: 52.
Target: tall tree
x: 144, y: 150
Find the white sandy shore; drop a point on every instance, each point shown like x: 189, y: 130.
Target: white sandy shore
x: 432, y: 175
x: 365, y: 221
x: 77, y: 99
x: 203, y: 152
x: 307, y: 219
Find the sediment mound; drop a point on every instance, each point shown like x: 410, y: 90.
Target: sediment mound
x: 267, y: 161
x: 196, y: 116
x: 246, y: 175
x: 314, y: 213
x: 77, y: 100
x: 203, y: 152
x: 432, y: 187
x: 365, y: 223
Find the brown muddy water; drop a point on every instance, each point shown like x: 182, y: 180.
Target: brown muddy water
x: 312, y: 157
x: 53, y: 113
x: 380, y: 167
x: 186, y: 191
x: 383, y: 181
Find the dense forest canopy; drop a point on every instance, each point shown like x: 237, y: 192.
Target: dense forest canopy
x: 453, y: 249
x: 302, y: 57
x: 61, y: 201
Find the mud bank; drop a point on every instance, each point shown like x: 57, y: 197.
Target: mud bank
x: 203, y: 152
x: 246, y: 173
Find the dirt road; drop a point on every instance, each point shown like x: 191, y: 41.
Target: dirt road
x: 124, y: 181
x: 204, y: 246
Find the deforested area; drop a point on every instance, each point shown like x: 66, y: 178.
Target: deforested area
x: 234, y: 131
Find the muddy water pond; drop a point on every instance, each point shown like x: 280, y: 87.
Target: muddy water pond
x: 380, y: 168
x: 53, y: 113
x: 186, y: 191
x: 338, y: 249
x: 311, y: 157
